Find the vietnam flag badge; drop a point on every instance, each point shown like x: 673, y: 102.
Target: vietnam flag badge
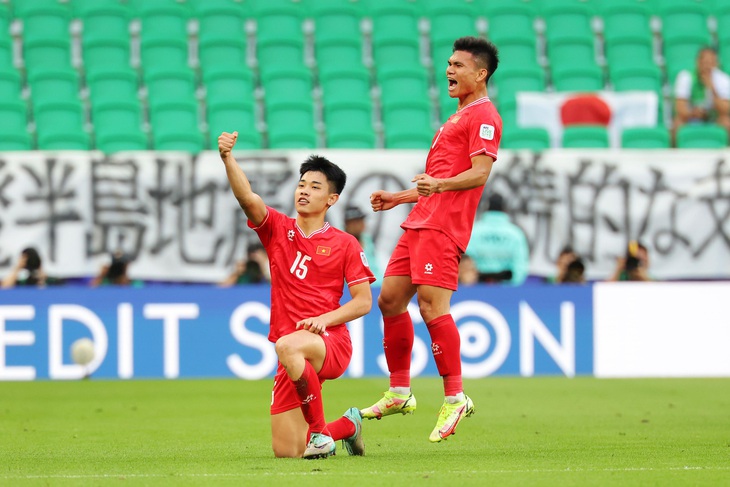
x: 322, y: 250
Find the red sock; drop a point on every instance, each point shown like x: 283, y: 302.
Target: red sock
x: 398, y: 346
x: 340, y: 429
x: 446, y: 348
x: 309, y: 390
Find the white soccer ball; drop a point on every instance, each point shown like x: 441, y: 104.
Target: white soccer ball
x: 82, y: 351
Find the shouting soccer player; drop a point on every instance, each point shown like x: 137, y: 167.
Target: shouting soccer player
x: 310, y: 264
x: 425, y: 261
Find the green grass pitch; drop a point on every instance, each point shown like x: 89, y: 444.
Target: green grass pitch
x: 537, y: 431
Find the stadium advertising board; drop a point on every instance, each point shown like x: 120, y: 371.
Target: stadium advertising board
x: 195, y: 331
x: 176, y: 216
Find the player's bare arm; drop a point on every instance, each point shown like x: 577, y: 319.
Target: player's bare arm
x: 250, y: 202
x: 385, y: 200
x: 473, y: 177
x: 358, y: 306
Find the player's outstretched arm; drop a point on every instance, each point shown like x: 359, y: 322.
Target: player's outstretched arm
x: 359, y: 305
x: 385, y: 200
x: 250, y: 202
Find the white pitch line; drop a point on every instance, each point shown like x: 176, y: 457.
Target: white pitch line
x: 319, y: 473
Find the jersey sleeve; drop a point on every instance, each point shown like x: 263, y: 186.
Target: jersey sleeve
x: 485, y: 132
x: 265, y: 230
x: 357, y: 269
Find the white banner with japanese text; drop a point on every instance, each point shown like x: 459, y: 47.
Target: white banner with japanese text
x: 176, y: 217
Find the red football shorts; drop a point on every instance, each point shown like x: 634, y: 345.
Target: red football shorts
x: 428, y: 256
x: 337, y: 357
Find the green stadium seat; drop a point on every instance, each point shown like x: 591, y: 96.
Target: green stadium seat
x: 517, y: 52
x: 343, y: 84
x: 220, y: 20
x: 721, y: 12
x: 336, y: 22
x: 54, y: 84
x: 629, y: 51
x: 5, y: 20
x: 702, y: 136
x: 105, y: 21
x: 49, y: 22
x: 175, y: 126
x: 13, y: 125
x: 163, y: 22
x: 21, y: 8
x: 349, y: 124
x: 530, y: 138
x: 6, y: 52
x: 228, y: 83
x: 681, y: 18
x: 396, y: 52
x: 571, y: 19
x: 569, y: 51
x: 645, y: 138
x: 117, y: 116
x: 339, y: 53
x: 113, y: 84
x: 585, y: 137
x: 230, y: 116
x: 406, y: 83
x: 286, y: 84
x: 510, y: 20
x: 60, y: 125
x: 394, y: 22
x: 407, y: 125
x: 625, y: 19
x: 279, y: 21
x: 441, y: 51
x: 450, y: 20
x: 277, y: 53
x: 291, y: 125
x: 578, y: 78
x: 106, y: 54
x: 114, y: 142
x: 648, y: 78
x: 164, y: 53
x: 508, y: 112
x: 169, y: 85
x: 512, y: 79
x: 41, y: 54
x: 10, y: 86
x: 680, y: 52
x: 214, y: 52
x: 447, y: 107
x: 80, y: 7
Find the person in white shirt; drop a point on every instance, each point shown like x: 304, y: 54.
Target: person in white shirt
x: 702, y: 95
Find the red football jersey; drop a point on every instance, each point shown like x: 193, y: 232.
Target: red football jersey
x: 308, y: 273
x: 473, y: 130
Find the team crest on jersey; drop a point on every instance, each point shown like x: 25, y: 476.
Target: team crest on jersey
x: 364, y: 259
x: 486, y: 131
x: 455, y: 119
x: 290, y: 235
x: 322, y: 250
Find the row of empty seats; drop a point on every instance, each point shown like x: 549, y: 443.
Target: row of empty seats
x: 168, y: 74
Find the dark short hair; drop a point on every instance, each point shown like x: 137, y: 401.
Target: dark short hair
x: 32, y: 259
x: 486, y: 53
x: 496, y: 202
x: 336, y: 177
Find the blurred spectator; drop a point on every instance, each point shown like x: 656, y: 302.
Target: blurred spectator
x: 355, y: 225
x: 253, y: 270
x: 468, y: 273
x: 498, y: 246
x: 702, y: 95
x: 28, y: 271
x: 634, y: 266
x: 115, y: 273
x: 570, y: 267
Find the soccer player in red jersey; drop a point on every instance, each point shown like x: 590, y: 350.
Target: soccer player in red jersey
x: 310, y: 264
x: 425, y: 262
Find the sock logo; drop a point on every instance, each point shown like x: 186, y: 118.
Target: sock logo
x: 436, y: 349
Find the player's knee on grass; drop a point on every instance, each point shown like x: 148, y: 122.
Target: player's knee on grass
x: 287, y: 449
